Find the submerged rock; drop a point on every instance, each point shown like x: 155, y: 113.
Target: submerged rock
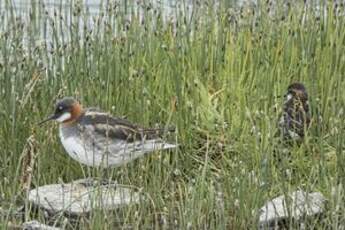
x: 300, y: 205
x: 81, y: 197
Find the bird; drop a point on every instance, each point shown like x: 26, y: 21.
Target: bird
x: 295, y: 118
x: 97, y: 139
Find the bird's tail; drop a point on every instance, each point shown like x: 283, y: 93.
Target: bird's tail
x: 154, y: 145
x: 168, y: 129
x: 153, y: 133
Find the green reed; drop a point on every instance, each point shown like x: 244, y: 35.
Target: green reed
x: 217, y: 74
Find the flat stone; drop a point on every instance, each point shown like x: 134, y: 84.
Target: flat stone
x: 301, y: 205
x: 35, y: 225
x: 81, y: 197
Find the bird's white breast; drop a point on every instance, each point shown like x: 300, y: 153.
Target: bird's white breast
x: 77, y: 149
x: 105, y: 152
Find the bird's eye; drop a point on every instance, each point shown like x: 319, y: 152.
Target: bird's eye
x: 60, y: 108
x: 292, y: 92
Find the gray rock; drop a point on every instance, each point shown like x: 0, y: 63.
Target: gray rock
x: 81, y: 197
x: 300, y: 204
x: 35, y: 225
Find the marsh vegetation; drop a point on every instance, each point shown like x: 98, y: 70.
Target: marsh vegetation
x: 215, y: 73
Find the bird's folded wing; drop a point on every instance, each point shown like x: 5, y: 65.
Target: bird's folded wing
x: 117, y: 128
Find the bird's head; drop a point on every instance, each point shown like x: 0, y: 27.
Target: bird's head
x: 66, y: 110
x: 296, y: 92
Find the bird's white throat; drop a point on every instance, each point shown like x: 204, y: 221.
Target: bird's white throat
x: 288, y: 97
x: 64, y: 117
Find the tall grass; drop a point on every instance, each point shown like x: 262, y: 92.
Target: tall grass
x: 215, y: 73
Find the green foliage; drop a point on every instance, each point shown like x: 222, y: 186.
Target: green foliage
x: 217, y: 75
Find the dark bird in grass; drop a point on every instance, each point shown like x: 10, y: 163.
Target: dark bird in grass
x: 295, y: 118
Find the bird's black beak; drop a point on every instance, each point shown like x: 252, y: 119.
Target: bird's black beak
x: 51, y: 117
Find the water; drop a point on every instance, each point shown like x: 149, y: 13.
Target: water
x: 50, y: 25
x: 65, y: 15
x: 94, y: 6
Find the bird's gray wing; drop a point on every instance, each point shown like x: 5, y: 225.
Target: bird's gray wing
x: 104, y: 125
x: 118, y: 128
